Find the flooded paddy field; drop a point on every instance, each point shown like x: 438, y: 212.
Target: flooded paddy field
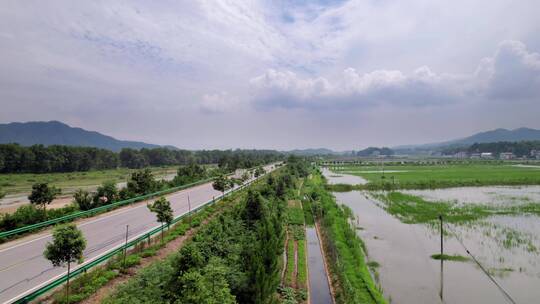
x: 507, y: 245
x: 336, y: 178
x: 449, y: 175
x: 493, y: 195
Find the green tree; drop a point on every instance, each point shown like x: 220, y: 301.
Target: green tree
x: 164, y: 213
x: 245, y: 176
x: 141, y: 182
x: 189, y: 174
x: 83, y: 199
x: 259, y: 171
x: 205, y: 286
x: 106, y: 193
x: 254, y: 210
x: 67, y: 247
x: 221, y: 183
x: 42, y: 194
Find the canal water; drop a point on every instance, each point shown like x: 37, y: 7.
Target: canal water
x: 319, y: 288
x: 337, y: 178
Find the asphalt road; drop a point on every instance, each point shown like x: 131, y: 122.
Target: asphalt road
x: 23, y: 267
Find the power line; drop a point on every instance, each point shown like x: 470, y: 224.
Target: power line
x: 504, y: 292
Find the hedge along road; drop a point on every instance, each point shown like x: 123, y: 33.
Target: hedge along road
x: 23, y: 267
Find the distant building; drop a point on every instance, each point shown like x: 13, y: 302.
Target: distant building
x: 535, y: 154
x: 486, y: 155
x: 507, y: 155
x: 461, y: 154
x: 475, y: 155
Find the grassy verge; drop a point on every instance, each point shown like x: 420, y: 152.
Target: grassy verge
x: 289, y: 273
x: 302, y: 265
x: 14, y: 183
x: 294, y: 288
x: 350, y: 276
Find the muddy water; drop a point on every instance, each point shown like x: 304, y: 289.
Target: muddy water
x: 409, y: 275
x: 337, y: 178
x: 498, y: 195
x: 319, y: 290
x: 507, y: 245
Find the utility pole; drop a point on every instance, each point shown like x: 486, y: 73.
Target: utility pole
x: 189, y: 210
x: 442, y: 258
x: 125, y: 246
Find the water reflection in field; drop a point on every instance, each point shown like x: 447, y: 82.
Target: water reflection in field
x: 508, y: 246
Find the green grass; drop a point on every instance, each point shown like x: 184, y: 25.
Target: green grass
x: 413, y: 209
x: 289, y: 273
x: 14, y: 183
x: 86, y: 285
x: 302, y: 267
x: 447, y: 257
x: 295, y: 215
x: 444, y: 176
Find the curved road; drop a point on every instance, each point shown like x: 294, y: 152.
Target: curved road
x: 23, y: 267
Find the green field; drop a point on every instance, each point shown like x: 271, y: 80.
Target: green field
x: 22, y: 183
x: 435, y: 176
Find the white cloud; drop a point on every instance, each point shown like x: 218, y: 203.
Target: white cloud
x: 219, y: 103
x: 157, y: 61
x: 512, y: 73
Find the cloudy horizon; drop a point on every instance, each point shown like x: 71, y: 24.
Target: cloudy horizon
x: 273, y: 74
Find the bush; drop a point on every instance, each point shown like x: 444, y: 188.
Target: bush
x: 83, y: 199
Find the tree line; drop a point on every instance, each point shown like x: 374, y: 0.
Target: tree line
x: 15, y: 158
x: 140, y: 183
x: 520, y: 149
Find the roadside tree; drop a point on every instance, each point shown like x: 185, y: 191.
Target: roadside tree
x: 67, y: 247
x: 164, y: 213
x: 43, y: 195
x: 83, y: 199
x: 106, y: 193
x: 141, y: 182
x: 222, y: 183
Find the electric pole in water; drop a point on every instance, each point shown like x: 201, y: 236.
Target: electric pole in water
x: 442, y: 257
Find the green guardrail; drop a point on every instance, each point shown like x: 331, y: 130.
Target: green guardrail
x: 145, y: 236
x: 98, y: 209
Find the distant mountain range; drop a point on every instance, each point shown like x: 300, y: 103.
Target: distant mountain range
x: 58, y: 133
x: 497, y: 135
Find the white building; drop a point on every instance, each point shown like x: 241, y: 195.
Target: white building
x: 461, y: 154
x: 486, y: 155
x: 506, y: 155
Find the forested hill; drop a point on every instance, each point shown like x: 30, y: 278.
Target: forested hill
x: 57, y: 133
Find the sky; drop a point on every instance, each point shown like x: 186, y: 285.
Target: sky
x: 273, y: 74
